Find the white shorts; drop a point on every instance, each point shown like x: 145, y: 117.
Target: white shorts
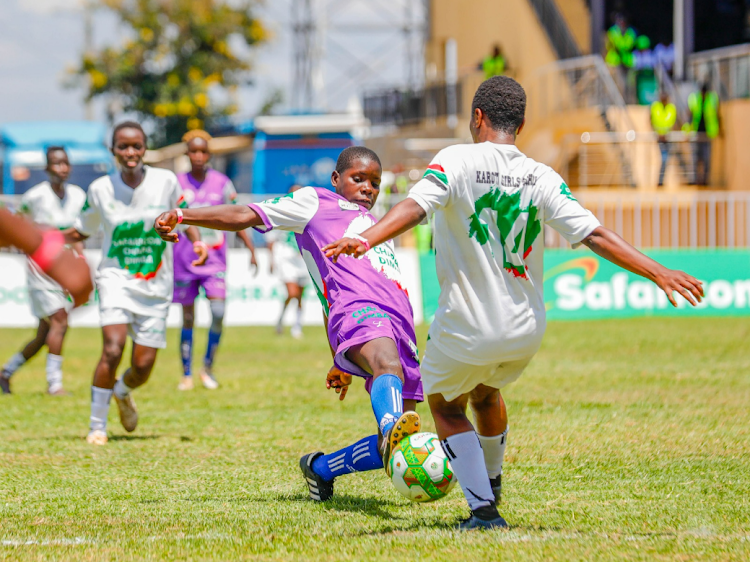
x: 45, y: 302
x: 444, y: 375
x: 293, y: 272
x: 148, y: 331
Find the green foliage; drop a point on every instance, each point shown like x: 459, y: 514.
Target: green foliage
x: 178, y: 52
x: 628, y: 441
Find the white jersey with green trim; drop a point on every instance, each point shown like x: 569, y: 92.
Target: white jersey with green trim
x: 42, y: 205
x: 490, y: 203
x: 136, y: 272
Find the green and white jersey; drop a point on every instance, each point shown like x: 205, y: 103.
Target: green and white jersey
x: 42, y: 205
x: 285, y: 248
x: 490, y: 204
x: 136, y: 272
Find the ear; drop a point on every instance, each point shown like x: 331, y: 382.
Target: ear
x: 478, y: 118
x: 335, y: 177
x: 520, y: 127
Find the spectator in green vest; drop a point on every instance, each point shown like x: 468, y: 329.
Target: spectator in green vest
x: 704, y: 108
x: 663, y: 119
x: 494, y: 64
x: 621, y: 42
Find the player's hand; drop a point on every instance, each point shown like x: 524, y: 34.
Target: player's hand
x: 348, y: 246
x: 165, y: 225
x: 339, y: 381
x: 200, y: 248
x: 73, y: 274
x: 671, y: 280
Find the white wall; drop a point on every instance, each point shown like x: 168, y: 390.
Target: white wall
x: 251, y: 299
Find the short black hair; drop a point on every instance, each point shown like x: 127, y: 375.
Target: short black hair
x: 128, y: 125
x: 349, y: 155
x: 54, y: 148
x: 503, y: 102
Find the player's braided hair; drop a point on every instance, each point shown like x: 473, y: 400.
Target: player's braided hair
x: 503, y: 102
x: 349, y: 155
x: 128, y: 125
x: 196, y: 134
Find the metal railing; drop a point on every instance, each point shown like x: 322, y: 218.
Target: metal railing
x: 698, y: 219
x: 578, y: 83
x: 595, y: 159
x: 726, y: 69
x: 557, y: 29
x: 405, y: 107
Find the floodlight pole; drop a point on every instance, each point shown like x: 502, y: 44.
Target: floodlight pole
x: 684, y: 36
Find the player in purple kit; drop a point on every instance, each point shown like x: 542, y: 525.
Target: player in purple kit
x: 202, y: 187
x: 370, y: 321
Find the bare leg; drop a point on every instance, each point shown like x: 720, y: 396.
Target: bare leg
x: 141, y: 364
x: 114, y: 338
x: 58, y: 326
x: 35, y: 345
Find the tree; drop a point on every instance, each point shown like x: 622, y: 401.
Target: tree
x: 178, y: 56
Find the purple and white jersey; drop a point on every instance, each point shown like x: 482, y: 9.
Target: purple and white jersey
x: 318, y: 217
x: 216, y: 189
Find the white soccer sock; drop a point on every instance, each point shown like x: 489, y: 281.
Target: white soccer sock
x: 121, y: 389
x: 494, y: 452
x: 467, y: 461
x: 13, y: 364
x: 100, y: 398
x: 54, y: 372
x: 298, y: 322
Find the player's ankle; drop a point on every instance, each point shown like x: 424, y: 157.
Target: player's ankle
x: 486, y: 512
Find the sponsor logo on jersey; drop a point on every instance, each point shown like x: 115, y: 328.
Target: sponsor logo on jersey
x: 137, y: 249
x: 347, y: 206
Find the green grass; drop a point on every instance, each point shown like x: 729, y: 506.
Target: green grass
x: 629, y: 441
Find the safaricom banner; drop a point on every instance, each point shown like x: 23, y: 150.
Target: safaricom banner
x: 579, y: 284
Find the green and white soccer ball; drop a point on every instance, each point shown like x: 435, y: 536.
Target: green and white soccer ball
x: 420, y: 470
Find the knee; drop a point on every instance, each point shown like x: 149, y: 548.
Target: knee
x: 388, y: 364
x: 112, y: 352
x: 218, y: 308
x: 58, y: 323
x: 449, y: 413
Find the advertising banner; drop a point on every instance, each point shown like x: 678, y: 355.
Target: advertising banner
x: 253, y: 298
x: 581, y: 285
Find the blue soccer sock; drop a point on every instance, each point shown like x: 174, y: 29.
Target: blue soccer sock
x: 186, y: 350
x: 213, y: 345
x: 387, y: 404
x: 359, y: 457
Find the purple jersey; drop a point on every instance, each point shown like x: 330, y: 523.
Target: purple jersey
x: 364, y: 297
x: 214, y: 190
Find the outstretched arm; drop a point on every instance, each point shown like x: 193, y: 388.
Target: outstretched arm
x: 404, y: 216
x: 218, y: 217
x: 46, y: 248
x: 611, y: 247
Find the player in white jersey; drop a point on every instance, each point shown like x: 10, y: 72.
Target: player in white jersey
x: 135, y: 277
x: 490, y: 204
x: 56, y: 204
x: 287, y: 263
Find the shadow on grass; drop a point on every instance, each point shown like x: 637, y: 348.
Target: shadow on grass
x: 137, y: 437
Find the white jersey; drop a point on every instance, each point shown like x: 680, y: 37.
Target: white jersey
x: 136, y: 272
x: 42, y: 205
x: 491, y: 203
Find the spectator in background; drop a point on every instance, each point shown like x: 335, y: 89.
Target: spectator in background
x: 494, y: 64
x: 704, y: 109
x: 287, y: 263
x: 663, y: 119
x: 621, y: 43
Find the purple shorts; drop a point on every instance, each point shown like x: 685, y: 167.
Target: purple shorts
x: 363, y: 322
x: 186, y: 289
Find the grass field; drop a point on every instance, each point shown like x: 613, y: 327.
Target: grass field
x: 629, y: 441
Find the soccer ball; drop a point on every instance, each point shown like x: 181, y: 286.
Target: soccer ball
x: 420, y: 470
